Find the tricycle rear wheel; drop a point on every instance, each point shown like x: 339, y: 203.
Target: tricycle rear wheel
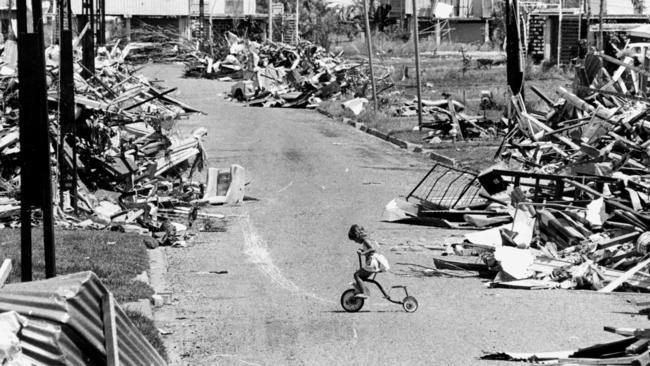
x: 349, y: 302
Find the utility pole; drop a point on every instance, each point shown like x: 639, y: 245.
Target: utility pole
x: 515, y: 64
x: 559, y: 35
x: 369, y: 47
x: 88, y: 41
x: 35, y: 172
x: 601, y: 39
x: 201, y: 22
x: 101, y: 22
x: 270, y: 37
x: 297, y: 19
x: 67, y: 179
x: 416, y: 43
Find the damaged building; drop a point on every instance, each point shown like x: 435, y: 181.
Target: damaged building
x: 553, y: 34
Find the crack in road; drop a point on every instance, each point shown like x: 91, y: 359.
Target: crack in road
x: 257, y: 251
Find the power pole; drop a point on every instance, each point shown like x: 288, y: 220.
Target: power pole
x: 35, y: 172
x: 88, y: 42
x: 297, y: 19
x: 369, y: 47
x: 270, y: 37
x: 67, y: 179
x: 100, y: 14
x: 416, y: 43
x: 515, y: 64
x: 559, y: 35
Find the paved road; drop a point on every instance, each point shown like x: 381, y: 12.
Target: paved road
x: 288, y: 258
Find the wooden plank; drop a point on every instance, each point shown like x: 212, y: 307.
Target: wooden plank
x: 5, y: 270
x: 619, y: 281
x: 110, y: 330
x: 619, y: 239
x: 621, y: 63
x: 638, y: 346
x: 581, y: 104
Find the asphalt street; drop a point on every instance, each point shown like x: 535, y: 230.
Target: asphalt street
x: 288, y: 258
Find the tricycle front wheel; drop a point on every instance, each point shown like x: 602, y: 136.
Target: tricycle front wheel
x: 410, y: 304
x: 349, y: 302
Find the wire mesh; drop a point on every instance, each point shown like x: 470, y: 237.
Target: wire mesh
x: 448, y: 188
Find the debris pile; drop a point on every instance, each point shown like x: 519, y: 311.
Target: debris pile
x: 280, y: 75
x: 129, y: 162
x: 444, y: 115
x: 160, y: 44
x: 568, y: 205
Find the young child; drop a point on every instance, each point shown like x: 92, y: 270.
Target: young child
x: 358, y: 235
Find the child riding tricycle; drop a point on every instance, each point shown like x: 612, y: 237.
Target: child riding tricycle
x: 370, y: 263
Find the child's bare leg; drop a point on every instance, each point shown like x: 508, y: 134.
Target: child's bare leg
x: 357, y: 277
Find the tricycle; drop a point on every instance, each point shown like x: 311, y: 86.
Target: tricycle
x: 352, y: 303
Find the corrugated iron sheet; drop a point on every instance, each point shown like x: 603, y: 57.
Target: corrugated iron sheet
x: 67, y: 325
x: 142, y: 7
x: 174, y: 8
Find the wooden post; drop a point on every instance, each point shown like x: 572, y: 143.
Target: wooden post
x: 110, y: 330
x: 5, y: 270
x: 36, y: 175
x: 416, y: 43
x: 580, y: 25
x: 486, y: 36
x: 270, y: 30
x: 646, y: 65
x: 438, y: 34
x: 369, y: 47
x: 127, y: 27
x: 601, y: 40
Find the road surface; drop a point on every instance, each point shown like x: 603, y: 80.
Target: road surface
x: 288, y: 258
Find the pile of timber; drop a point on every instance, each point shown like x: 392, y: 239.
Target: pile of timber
x: 124, y: 147
x: 568, y: 205
x: 281, y: 75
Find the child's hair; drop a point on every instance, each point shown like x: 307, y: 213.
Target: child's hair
x: 356, y: 232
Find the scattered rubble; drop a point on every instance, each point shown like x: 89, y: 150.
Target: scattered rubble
x: 130, y: 164
x: 160, y: 44
x: 567, y: 205
x: 630, y: 350
x: 282, y: 75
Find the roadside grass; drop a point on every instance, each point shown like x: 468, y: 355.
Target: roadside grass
x: 116, y: 258
x: 149, y: 330
x: 385, y: 45
x: 444, y: 75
